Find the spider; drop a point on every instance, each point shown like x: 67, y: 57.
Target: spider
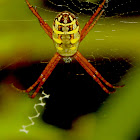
x: 67, y: 35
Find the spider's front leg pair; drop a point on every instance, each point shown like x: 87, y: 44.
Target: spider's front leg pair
x: 83, y: 62
x: 44, y: 75
x: 94, y: 73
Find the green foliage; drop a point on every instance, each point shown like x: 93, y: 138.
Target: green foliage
x: 22, y: 38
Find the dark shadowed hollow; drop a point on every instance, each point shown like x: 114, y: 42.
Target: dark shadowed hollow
x: 73, y: 92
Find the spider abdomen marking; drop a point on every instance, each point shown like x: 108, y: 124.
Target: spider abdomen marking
x: 66, y: 33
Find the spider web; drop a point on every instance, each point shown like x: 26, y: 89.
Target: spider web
x: 119, y: 16
x: 113, y: 62
x: 121, y: 12
x: 113, y: 7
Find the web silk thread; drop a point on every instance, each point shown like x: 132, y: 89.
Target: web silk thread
x: 37, y: 113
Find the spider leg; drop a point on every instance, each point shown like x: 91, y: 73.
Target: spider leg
x: 45, y: 26
x: 92, y: 74
x: 87, y: 25
x: 45, y: 74
x: 82, y: 58
x: 92, y: 25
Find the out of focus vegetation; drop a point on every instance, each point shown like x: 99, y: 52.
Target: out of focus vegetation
x: 22, y: 39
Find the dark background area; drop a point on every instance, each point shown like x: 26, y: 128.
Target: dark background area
x: 73, y: 92
x: 115, y: 7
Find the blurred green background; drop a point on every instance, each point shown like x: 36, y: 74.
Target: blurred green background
x: 22, y: 39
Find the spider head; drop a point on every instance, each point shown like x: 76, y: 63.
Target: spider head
x: 66, y: 33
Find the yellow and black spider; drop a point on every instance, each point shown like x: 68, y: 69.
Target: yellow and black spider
x: 67, y: 35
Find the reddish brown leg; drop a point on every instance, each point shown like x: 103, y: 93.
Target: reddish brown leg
x: 92, y: 25
x: 91, y: 74
x: 82, y: 58
x: 45, y: 26
x: 45, y: 74
x: 91, y: 20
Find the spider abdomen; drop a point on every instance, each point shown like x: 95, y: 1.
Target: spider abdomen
x: 66, y: 34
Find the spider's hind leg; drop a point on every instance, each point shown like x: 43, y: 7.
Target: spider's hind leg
x: 44, y: 25
x: 90, y: 24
